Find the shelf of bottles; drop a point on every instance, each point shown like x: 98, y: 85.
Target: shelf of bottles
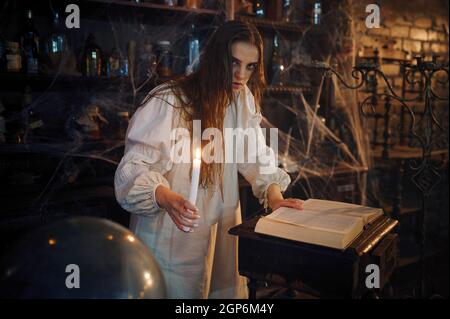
x: 272, y: 24
x: 37, y: 61
x: 32, y: 63
x: 281, y: 15
x: 26, y: 56
x: 279, y: 18
x: 169, y: 5
x: 40, y: 82
x: 30, y: 58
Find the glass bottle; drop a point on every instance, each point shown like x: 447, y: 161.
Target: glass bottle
x: 194, y: 50
x: 287, y: 10
x: 91, y: 64
x: 171, y: 3
x: 114, y: 63
x: 131, y: 59
x: 13, y: 57
x: 164, y: 59
x: 277, y: 65
x: 57, y: 42
x: 124, y: 65
x: 123, y: 121
x: 317, y: 13
x: 106, y: 67
x: 193, y: 4
x: 146, y: 60
x: 259, y: 8
x: 30, y: 44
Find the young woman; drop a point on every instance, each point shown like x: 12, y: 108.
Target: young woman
x: 190, y: 240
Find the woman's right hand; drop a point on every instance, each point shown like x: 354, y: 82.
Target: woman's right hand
x: 183, y: 213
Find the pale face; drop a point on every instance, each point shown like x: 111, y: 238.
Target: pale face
x: 245, y: 59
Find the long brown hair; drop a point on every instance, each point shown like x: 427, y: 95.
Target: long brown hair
x: 209, y: 88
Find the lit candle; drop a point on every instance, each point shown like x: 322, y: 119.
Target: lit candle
x: 195, y: 176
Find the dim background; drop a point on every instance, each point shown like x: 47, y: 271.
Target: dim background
x: 65, y: 166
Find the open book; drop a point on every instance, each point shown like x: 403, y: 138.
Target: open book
x: 321, y: 222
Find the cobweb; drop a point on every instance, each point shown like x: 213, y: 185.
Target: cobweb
x: 325, y: 151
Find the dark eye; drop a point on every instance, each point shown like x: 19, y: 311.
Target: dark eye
x: 251, y: 67
x: 235, y: 63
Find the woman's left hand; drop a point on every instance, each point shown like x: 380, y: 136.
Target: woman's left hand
x: 288, y: 202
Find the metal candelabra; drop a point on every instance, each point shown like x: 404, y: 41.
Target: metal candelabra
x: 427, y: 173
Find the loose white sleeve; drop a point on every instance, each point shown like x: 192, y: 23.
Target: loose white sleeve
x: 147, y: 156
x: 260, y: 175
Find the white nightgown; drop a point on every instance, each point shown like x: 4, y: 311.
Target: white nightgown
x: 203, y: 263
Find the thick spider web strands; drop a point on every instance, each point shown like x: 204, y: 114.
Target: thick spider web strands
x: 302, y: 155
x: 318, y: 148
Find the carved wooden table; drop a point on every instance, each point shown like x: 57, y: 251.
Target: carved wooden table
x: 320, y: 271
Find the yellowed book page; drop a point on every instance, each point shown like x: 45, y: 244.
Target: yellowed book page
x: 317, y: 236
x: 328, y: 222
x: 325, y: 207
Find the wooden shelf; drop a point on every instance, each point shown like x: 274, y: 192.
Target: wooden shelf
x: 271, y: 24
x: 40, y: 82
x: 12, y: 81
x: 145, y: 5
x: 281, y: 89
x: 88, y: 149
x: 402, y: 152
x: 383, y: 59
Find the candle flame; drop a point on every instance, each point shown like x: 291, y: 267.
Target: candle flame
x: 197, y: 153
